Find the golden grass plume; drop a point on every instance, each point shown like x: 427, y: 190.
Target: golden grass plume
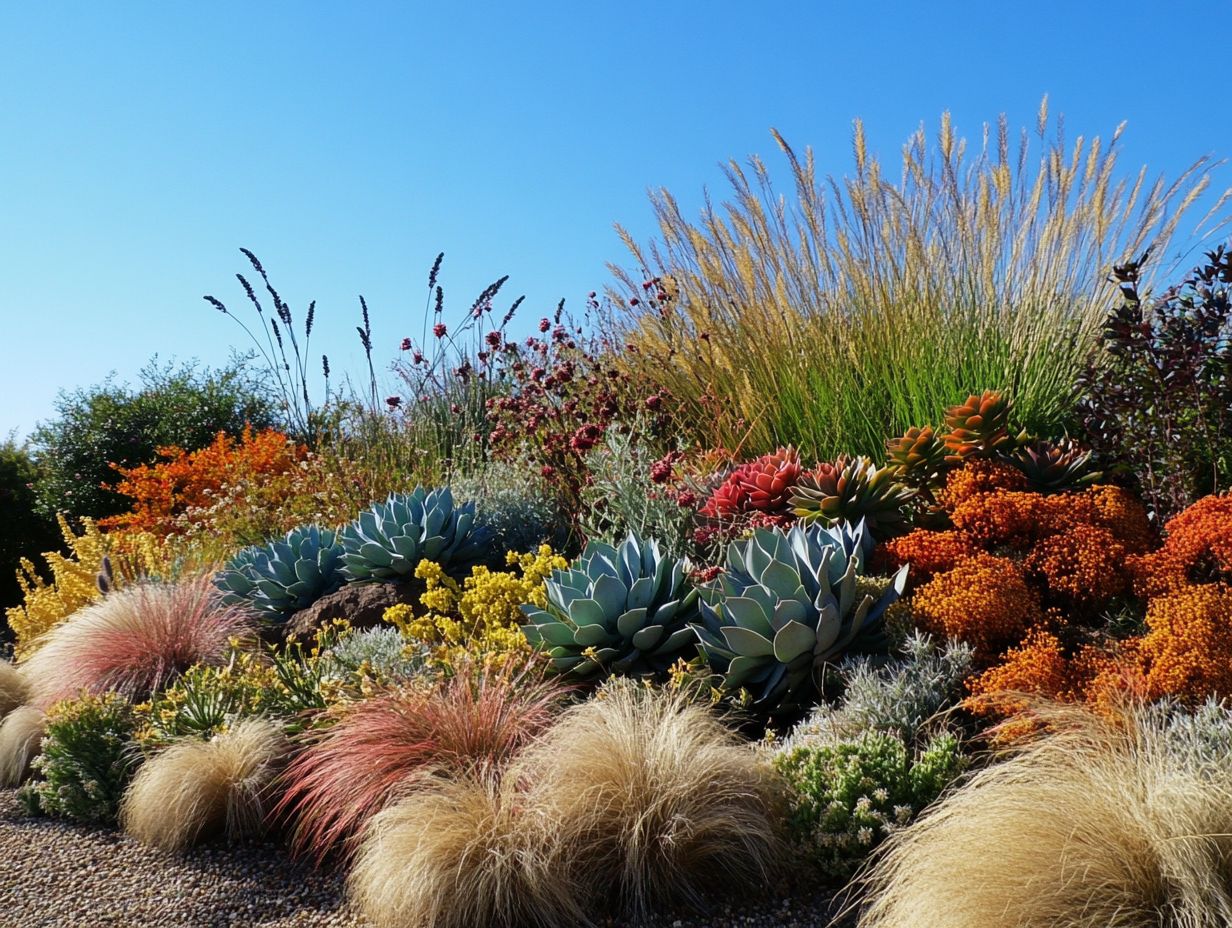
x: 654, y: 799
x: 13, y: 689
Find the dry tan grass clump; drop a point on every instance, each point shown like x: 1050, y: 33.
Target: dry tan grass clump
x: 458, y: 854
x: 653, y: 800
x: 1092, y: 825
x: 195, y: 790
x: 21, y: 736
x: 13, y: 689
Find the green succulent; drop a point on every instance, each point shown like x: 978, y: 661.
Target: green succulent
x: 284, y: 576
x: 625, y: 609
x: 1051, y: 467
x: 389, y: 539
x: 851, y: 490
x: 788, y: 603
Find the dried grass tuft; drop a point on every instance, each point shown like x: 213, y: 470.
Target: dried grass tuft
x: 21, y: 737
x: 13, y: 688
x: 195, y: 790
x: 1095, y: 824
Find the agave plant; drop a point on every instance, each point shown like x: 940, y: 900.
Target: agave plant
x: 284, y: 576
x: 979, y: 427
x: 853, y: 490
x: 1051, y: 467
x: 789, y: 603
x: 624, y: 609
x: 389, y: 539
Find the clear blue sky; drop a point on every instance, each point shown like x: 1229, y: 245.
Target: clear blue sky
x: 347, y: 143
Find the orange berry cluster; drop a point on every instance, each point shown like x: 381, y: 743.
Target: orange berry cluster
x: 984, y: 601
x: 1197, y: 549
x: 1082, y: 565
x: 1187, y: 652
x: 929, y: 553
x: 980, y: 475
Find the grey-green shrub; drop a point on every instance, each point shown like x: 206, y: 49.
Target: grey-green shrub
x: 516, y: 505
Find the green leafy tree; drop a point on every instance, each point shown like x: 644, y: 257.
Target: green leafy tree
x: 24, y: 532
x: 110, y: 423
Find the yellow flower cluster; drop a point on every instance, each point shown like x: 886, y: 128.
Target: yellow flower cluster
x: 482, y: 616
x: 74, y: 578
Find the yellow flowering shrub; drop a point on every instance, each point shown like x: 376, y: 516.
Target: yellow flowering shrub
x: 481, y: 615
x: 74, y: 577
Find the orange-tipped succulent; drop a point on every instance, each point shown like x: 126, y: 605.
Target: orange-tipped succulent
x: 978, y: 427
x: 851, y: 489
x: 917, y: 457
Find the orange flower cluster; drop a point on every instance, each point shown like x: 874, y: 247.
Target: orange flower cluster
x: 1082, y: 565
x: 984, y: 601
x: 929, y: 553
x: 1187, y: 652
x: 193, y: 479
x: 980, y: 475
x: 1197, y: 549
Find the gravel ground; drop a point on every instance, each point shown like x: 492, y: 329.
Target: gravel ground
x: 55, y: 875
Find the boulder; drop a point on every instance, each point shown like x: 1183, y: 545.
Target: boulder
x: 362, y: 604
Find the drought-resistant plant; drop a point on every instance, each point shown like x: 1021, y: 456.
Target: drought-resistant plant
x: 1155, y: 403
x: 1187, y: 650
x: 134, y: 641
x: 464, y: 852
x: 108, y: 424
x: 480, y: 616
x: 846, y: 797
x: 898, y: 697
x: 623, y: 609
x: 13, y: 688
x: 376, y: 747
x: 1197, y: 548
x: 787, y: 604
x: 285, y: 575
x: 516, y: 503
x: 21, y: 736
x: 853, y: 490
x: 87, y: 760
x: 162, y: 493
x: 984, y: 601
x: 651, y: 798
x: 389, y: 539
x: 74, y: 578
x: 861, y: 305
x: 195, y: 790
x: 382, y: 653
x: 1097, y: 822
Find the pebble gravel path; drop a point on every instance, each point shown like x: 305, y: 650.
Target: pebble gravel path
x: 57, y: 875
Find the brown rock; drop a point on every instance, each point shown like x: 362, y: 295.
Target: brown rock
x: 362, y: 604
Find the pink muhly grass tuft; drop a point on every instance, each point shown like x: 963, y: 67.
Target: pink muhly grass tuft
x: 470, y: 722
x: 135, y: 641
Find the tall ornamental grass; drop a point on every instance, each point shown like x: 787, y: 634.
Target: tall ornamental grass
x: 865, y: 304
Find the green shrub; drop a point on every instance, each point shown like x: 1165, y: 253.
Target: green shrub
x: 95, y: 427
x: 88, y: 758
x: 24, y: 531
x: 847, y: 796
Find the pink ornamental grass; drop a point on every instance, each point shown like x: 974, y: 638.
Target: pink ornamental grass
x: 135, y: 641
x: 470, y: 722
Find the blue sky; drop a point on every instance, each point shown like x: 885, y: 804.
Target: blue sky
x: 141, y: 144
